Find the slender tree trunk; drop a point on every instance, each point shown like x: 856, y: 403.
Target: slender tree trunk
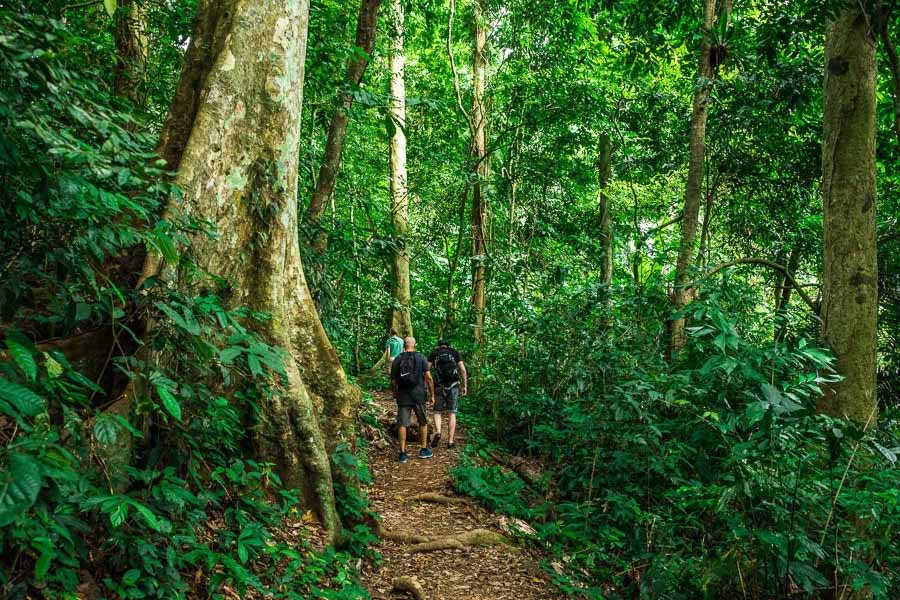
x: 334, y: 146
x: 482, y: 169
x: 703, y: 252
x: 604, y: 168
x: 238, y: 171
x: 401, y: 319
x: 693, y: 192
x: 131, y: 52
x: 894, y: 61
x: 357, y: 272
x: 849, y: 299
x: 783, y: 294
x: 453, y: 259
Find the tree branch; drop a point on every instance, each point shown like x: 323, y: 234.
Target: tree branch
x: 459, y: 102
x: 772, y: 265
x: 80, y: 5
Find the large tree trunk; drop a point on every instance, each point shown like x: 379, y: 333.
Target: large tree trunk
x: 401, y: 319
x: 849, y: 299
x: 334, y: 146
x: 693, y: 192
x: 604, y: 168
x: 238, y: 171
x: 131, y: 51
x: 482, y: 169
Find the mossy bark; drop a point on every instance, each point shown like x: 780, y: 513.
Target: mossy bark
x: 238, y: 172
x: 130, y: 74
x: 850, y: 293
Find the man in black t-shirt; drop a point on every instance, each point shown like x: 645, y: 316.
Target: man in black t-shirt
x: 410, y: 380
x: 452, y: 382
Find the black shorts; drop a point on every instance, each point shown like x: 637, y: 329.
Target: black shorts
x: 447, y: 399
x: 404, y: 414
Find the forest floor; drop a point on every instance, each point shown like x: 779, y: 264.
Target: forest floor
x: 498, y: 572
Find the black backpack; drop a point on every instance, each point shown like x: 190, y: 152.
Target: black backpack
x: 407, y: 375
x: 445, y: 366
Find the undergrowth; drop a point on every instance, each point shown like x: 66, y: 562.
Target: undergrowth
x: 711, y: 477
x: 150, y: 494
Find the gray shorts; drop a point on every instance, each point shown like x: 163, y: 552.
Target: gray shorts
x: 404, y: 414
x: 447, y: 399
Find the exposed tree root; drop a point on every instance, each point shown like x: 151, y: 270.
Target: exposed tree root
x: 476, y: 537
x: 401, y: 537
x: 527, y: 471
x: 410, y: 586
x: 437, y: 498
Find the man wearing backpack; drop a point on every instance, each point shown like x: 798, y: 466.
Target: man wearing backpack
x: 452, y: 382
x: 409, y: 378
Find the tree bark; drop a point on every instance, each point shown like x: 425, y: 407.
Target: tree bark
x: 334, y: 146
x: 401, y: 319
x: 604, y: 169
x: 693, y: 192
x: 482, y: 169
x: 130, y: 74
x: 238, y: 171
x: 849, y: 299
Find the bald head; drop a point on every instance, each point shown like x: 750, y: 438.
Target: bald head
x: 409, y: 343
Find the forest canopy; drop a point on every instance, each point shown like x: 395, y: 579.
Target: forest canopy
x: 664, y: 237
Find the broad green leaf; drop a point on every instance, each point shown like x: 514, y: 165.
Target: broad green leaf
x: 24, y: 400
x: 147, y: 514
x: 169, y: 401
x: 228, y: 355
x: 254, y: 365
x: 165, y: 246
x: 118, y: 515
x: 131, y: 576
x: 110, y: 6
x: 23, y: 358
x: 54, y: 369
x: 105, y: 430
x: 19, y: 487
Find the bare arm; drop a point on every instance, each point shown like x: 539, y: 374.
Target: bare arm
x: 429, y: 382
x: 465, y: 378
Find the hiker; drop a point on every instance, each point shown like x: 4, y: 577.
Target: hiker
x: 410, y: 379
x: 452, y: 382
x: 392, y: 348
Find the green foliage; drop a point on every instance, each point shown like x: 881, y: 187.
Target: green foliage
x: 714, y: 474
x: 128, y: 469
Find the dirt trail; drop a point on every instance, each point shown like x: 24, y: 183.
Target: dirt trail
x: 475, y: 573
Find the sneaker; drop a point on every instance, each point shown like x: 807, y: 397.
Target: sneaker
x: 451, y: 445
x: 435, y: 440
x: 425, y: 453
x: 404, y: 457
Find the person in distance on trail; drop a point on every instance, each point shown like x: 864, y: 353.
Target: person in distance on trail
x: 452, y: 382
x: 410, y: 379
x: 392, y: 348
